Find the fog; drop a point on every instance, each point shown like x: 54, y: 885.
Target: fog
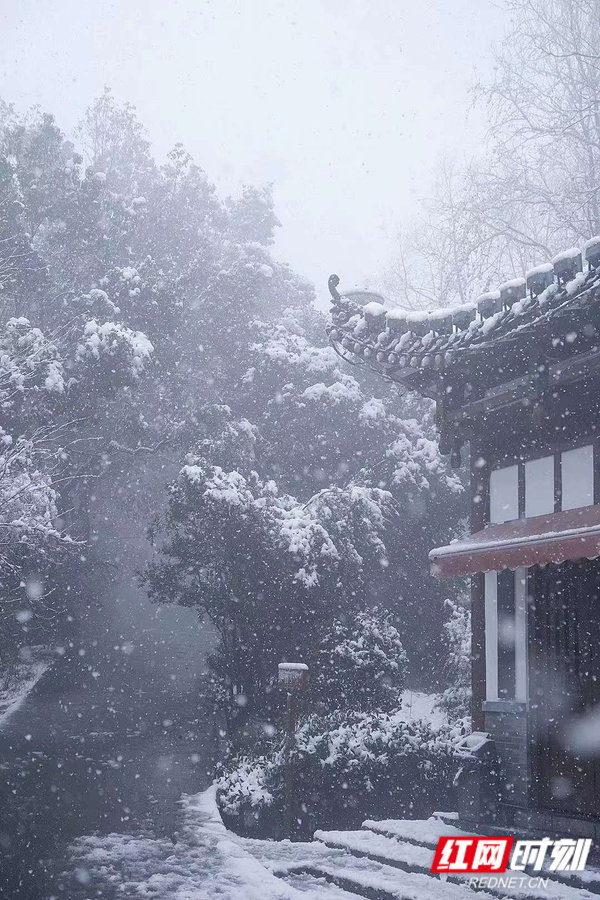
x: 345, y: 107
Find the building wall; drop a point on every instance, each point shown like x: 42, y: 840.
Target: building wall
x: 507, y: 725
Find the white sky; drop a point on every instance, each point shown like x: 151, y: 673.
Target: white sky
x: 344, y: 104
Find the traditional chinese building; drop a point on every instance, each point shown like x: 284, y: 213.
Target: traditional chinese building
x: 516, y: 379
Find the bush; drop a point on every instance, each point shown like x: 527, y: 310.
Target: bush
x: 347, y: 768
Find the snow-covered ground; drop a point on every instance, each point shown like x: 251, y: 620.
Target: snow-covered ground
x: 15, y: 687
x: 390, y: 859
x: 206, y: 862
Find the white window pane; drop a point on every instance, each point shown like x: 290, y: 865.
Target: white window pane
x: 577, y: 477
x: 504, y: 494
x: 539, y: 486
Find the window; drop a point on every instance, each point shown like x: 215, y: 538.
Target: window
x: 504, y: 494
x: 539, y: 486
x: 577, y: 477
x: 530, y: 488
x: 506, y: 635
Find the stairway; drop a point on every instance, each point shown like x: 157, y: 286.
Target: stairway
x: 391, y: 860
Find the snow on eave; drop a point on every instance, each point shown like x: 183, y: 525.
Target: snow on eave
x: 374, y: 308
x: 416, y: 317
x: 465, y: 307
x: 442, y: 313
x: 397, y: 315
x: 416, y: 340
x: 512, y: 283
x: 539, y: 270
x: 459, y: 547
x: 571, y: 253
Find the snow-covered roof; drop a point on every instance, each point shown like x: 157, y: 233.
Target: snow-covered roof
x: 558, y: 537
x: 415, y: 317
x: 397, y: 315
x: 412, y: 341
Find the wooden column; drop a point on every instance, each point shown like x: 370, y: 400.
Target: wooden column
x: 479, y: 514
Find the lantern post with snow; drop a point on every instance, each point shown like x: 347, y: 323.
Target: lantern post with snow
x: 292, y: 678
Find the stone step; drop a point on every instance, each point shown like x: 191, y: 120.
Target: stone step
x: 410, y: 844
x: 389, y: 883
x: 392, y: 852
x: 377, y: 881
x: 378, y: 866
x: 421, y: 832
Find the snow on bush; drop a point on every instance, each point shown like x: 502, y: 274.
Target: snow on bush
x: 245, y: 786
x: 313, y: 532
x: 28, y: 510
x: 112, y: 338
x: 229, y: 488
x: 262, y: 564
x: 27, y: 360
x: 417, y: 458
x: 345, y: 389
x: 456, y: 699
x: 286, y: 343
x: 372, y: 409
x: 285, y: 347
x: 348, y: 766
x: 312, y: 387
x: 98, y: 299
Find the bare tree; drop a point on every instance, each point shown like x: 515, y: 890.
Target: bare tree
x: 534, y: 190
x: 447, y: 256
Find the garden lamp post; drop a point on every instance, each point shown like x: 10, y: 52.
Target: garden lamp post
x: 293, y: 678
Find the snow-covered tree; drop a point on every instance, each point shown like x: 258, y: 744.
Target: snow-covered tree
x: 69, y: 370
x: 252, y: 215
x: 148, y: 317
x: 456, y: 699
x: 321, y: 425
x: 269, y: 570
x: 361, y: 663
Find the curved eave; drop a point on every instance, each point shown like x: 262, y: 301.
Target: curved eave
x: 401, y: 357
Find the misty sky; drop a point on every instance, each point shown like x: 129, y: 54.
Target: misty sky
x: 344, y: 104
